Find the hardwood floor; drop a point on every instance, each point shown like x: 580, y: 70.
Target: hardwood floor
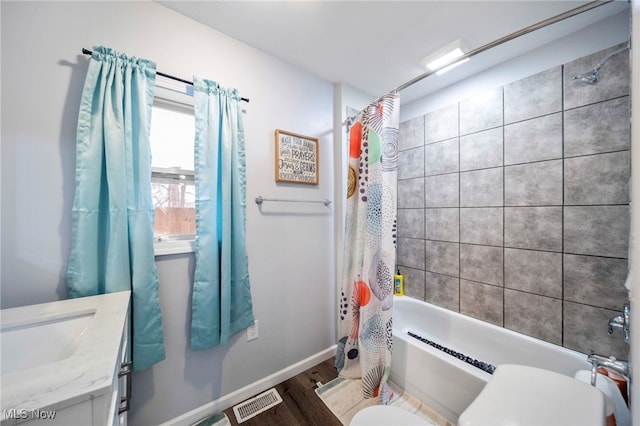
x: 300, y: 404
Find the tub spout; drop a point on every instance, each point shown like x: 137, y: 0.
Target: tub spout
x: 618, y: 366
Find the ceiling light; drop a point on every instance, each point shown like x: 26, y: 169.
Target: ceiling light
x: 452, y: 66
x: 447, y: 55
x: 446, y: 58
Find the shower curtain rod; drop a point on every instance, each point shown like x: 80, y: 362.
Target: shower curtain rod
x: 181, y: 80
x: 509, y: 37
x: 549, y: 21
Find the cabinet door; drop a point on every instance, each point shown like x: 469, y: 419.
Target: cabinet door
x: 121, y: 393
x: 124, y: 381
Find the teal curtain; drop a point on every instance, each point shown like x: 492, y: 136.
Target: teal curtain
x: 221, y: 300
x: 112, y: 222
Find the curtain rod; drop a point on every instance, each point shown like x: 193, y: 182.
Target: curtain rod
x: 497, y: 42
x: 526, y: 30
x: 181, y: 80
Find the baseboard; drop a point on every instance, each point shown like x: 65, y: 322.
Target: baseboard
x: 248, y: 391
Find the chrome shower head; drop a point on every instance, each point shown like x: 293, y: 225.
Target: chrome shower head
x: 593, y: 76
x: 589, y: 77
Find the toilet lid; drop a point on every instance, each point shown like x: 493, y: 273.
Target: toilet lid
x: 385, y: 415
x: 523, y: 395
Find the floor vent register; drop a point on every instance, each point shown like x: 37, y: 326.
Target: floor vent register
x: 256, y: 405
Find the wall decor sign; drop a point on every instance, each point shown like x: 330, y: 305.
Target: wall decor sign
x: 296, y: 158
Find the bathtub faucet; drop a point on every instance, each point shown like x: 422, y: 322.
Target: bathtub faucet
x: 618, y: 366
x: 621, y: 321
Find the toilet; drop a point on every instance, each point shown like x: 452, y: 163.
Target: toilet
x: 386, y: 415
x: 523, y: 395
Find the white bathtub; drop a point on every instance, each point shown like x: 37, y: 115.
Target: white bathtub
x: 446, y: 383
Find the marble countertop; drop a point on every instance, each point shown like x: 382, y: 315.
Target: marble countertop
x: 87, y: 372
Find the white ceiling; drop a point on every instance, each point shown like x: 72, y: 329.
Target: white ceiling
x: 375, y: 46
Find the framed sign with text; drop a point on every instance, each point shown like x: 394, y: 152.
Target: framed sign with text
x: 296, y: 158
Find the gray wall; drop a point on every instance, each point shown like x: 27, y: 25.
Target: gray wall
x: 514, y: 205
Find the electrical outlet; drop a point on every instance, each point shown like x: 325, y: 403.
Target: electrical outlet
x: 252, y: 332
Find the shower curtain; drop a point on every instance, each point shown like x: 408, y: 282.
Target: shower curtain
x: 221, y: 298
x: 112, y: 217
x: 366, y: 299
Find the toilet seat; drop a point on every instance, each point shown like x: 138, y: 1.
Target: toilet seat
x: 386, y: 415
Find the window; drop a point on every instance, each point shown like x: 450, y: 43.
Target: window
x: 172, y: 184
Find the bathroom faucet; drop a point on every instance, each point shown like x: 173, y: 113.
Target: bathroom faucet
x: 618, y: 366
x: 621, y: 321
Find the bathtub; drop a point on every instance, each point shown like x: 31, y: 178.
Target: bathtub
x: 446, y: 383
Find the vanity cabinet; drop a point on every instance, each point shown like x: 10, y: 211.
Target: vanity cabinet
x: 87, y: 382
x: 121, y: 390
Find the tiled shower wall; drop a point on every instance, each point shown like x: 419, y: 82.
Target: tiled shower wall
x: 513, y: 206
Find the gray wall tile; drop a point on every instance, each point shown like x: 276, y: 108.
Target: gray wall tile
x: 481, y: 112
x: 441, y: 124
x: 481, y: 263
x: 533, y: 315
x: 597, y: 179
x: 442, y: 257
x: 443, y: 291
x: 537, y: 95
x: 411, y: 223
x: 585, y: 330
x: 597, y: 230
x: 482, y: 225
x: 411, y: 163
x: 411, y: 133
x: 597, y: 281
x: 533, y: 140
x: 533, y: 184
x: 481, y: 188
x: 481, y: 150
x: 413, y: 282
x: 442, y: 190
x: 481, y: 301
x: 411, y: 193
x: 443, y: 224
x: 614, y: 78
x: 410, y: 252
x: 593, y: 129
x: 465, y: 244
x: 441, y: 157
x: 532, y: 271
x: 538, y: 228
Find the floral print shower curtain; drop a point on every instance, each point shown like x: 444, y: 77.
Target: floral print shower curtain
x: 366, y: 298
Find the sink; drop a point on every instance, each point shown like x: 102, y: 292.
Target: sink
x: 45, y: 340
x: 62, y: 354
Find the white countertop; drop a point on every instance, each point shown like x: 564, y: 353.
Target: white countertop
x: 89, y: 371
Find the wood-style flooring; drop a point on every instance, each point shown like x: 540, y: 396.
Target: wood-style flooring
x: 300, y: 404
